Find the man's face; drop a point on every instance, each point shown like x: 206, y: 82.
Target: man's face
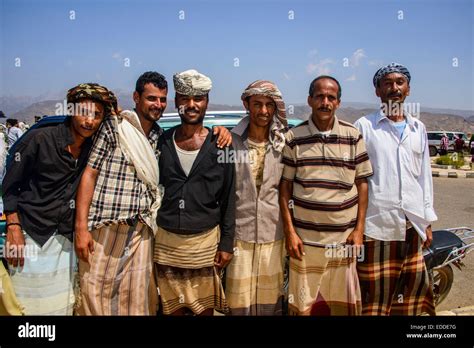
x: 88, y: 117
x: 393, y: 87
x: 151, y: 103
x: 324, y: 102
x: 191, y: 109
x: 261, y: 110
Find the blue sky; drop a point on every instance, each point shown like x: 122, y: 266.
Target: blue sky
x: 56, y: 52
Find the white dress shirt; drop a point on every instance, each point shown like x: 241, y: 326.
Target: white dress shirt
x: 14, y: 133
x: 402, y: 185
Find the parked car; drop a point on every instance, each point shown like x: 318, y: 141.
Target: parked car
x: 434, y: 140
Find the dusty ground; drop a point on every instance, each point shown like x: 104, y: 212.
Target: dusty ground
x: 454, y: 205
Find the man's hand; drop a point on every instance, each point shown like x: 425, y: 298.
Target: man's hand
x: 356, y: 237
x: 294, y: 246
x: 222, y: 259
x: 15, y: 245
x: 224, y: 137
x: 429, y: 237
x: 84, y: 244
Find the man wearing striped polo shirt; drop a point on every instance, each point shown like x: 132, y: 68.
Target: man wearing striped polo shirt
x: 323, y: 200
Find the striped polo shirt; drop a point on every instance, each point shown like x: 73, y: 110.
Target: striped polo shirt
x: 323, y: 169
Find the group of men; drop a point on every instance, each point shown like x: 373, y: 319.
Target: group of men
x: 169, y: 221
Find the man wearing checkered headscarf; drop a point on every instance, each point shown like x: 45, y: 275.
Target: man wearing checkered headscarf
x: 94, y: 92
x: 260, y: 136
x: 388, y: 69
x: 40, y: 216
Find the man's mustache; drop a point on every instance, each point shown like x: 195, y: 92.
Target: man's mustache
x: 395, y: 94
x: 324, y: 109
x: 191, y: 110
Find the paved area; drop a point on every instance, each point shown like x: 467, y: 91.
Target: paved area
x: 454, y: 205
x: 465, y: 172
x: 458, y: 311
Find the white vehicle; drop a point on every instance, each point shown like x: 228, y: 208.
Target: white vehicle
x: 434, y: 140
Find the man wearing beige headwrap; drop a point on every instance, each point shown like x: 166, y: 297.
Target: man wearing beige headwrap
x: 255, y: 276
x: 196, y: 222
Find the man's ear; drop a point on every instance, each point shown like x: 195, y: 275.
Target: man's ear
x: 377, y: 92
x: 310, y: 101
x: 408, y: 91
x: 246, y: 105
x: 136, y: 97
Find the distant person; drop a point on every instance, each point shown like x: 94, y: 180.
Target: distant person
x: 13, y: 131
x: 3, y: 155
x: 23, y: 126
x: 458, y: 144
x: 443, y: 146
x: 471, y: 146
x: 393, y: 276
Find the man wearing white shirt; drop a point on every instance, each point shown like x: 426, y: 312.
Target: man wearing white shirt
x: 13, y: 131
x: 393, y: 275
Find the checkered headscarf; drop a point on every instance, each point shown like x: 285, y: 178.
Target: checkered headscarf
x: 268, y: 89
x: 391, y: 68
x: 95, y: 92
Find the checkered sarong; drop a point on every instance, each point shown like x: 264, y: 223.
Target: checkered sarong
x: 394, y: 279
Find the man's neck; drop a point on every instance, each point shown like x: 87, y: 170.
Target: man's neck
x: 187, y: 131
x: 323, y: 125
x: 258, y: 134
x: 76, y: 137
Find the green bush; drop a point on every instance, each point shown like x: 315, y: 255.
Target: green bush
x: 453, y: 159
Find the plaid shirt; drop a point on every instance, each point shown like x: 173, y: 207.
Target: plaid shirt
x: 119, y: 194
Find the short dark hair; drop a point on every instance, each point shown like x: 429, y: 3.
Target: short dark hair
x: 153, y: 77
x: 311, y: 86
x: 12, y: 121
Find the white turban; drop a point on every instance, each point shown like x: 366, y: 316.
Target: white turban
x: 191, y: 82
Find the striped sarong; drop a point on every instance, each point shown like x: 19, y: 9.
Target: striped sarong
x: 45, y: 284
x: 323, y: 285
x: 254, y: 279
x: 119, y: 279
x: 186, y: 275
x: 9, y: 304
x: 394, y: 279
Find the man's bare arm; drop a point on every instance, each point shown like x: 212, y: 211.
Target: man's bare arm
x: 15, y: 241
x: 84, y: 243
x: 357, y: 236
x: 294, y: 245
